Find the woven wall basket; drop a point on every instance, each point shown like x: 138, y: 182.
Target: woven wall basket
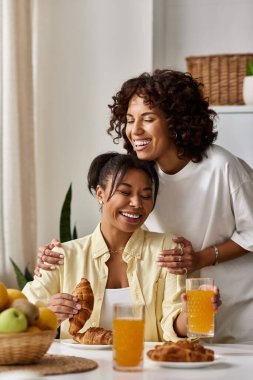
x: 222, y: 76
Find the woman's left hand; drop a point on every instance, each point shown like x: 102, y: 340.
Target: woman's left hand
x: 216, y: 299
x: 180, y: 260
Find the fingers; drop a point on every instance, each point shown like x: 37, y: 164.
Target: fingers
x: 216, y: 299
x: 64, y: 306
x: 41, y: 265
x: 184, y: 300
x: 177, y: 261
x: 181, y: 260
x: 55, y: 242
x: 182, y: 240
x: 46, y: 255
x: 48, y: 259
x: 37, y: 272
x: 52, y: 257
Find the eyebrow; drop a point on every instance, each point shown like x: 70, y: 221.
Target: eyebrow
x: 143, y: 114
x: 127, y: 184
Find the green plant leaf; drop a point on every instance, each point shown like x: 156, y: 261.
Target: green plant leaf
x: 28, y: 274
x: 65, y: 227
x: 65, y: 219
x: 65, y: 235
x: 74, y: 236
x: 249, y: 68
x: 21, y: 279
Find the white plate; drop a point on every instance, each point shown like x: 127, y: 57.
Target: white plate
x: 188, y: 365
x: 74, y: 344
x: 151, y: 344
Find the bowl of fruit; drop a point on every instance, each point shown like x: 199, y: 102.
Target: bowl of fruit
x: 26, y: 330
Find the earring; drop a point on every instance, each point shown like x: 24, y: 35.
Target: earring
x: 100, y: 202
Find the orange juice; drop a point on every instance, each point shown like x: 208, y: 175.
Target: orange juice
x: 200, y: 313
x: 128, y: 337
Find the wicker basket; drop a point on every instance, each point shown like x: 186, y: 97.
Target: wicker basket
x: 222, y: 76
x: 24, y: 348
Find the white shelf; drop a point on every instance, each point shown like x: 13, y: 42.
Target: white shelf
x: 232, y: 109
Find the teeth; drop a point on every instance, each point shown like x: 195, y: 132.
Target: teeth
x: 134, y: 216
x: 142, y: 142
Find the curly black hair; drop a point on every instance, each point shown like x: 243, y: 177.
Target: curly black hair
x: 180, y: 98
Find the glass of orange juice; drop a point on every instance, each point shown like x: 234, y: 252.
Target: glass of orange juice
x: 128, y: 337
x: 200, y: 311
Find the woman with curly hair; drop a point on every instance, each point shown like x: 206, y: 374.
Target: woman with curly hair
x: 206, y: 193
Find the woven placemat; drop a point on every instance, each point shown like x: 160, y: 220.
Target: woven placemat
x: 55, y: 365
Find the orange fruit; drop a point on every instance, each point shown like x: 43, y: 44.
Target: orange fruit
x: 33, y: 329
x: 3, y: 296
x: 47, y: 319
x: 14, y: 294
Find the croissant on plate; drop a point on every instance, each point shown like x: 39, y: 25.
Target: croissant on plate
x: 181, y: 351
x: 85, y: 297
x: 94, y: 335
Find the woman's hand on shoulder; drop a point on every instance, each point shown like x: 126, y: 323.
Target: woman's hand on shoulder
x: 180, y: 260
x: 47, y: 259
x: 64, y: 305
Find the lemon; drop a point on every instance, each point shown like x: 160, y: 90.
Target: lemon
x: 47, y: 319
x: 14, y: 294
x: 3, y: 296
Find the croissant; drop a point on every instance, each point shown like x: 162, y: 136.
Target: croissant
x: 85, y: 297
x: 181, y: 351
x: 94, y: 335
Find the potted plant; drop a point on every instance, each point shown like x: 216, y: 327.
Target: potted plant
x: 65, y: 235
x: 248, y: 85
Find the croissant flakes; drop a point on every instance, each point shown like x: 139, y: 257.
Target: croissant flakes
x: 85, y: 297
x: 181, y: 351
x: 94, y: 335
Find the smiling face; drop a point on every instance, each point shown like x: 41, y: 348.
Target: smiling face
x: 130, y: 204
x: 147, y: 130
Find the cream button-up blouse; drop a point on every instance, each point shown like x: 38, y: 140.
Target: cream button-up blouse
x: 149, y: 284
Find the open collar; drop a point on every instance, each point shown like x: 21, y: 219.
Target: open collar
x: 134, y: 246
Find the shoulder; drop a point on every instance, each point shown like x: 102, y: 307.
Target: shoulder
x: 162, y: 240
x: 74, y: 246
x: 219, y: 157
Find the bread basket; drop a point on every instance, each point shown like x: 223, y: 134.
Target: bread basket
x: 26, y: 347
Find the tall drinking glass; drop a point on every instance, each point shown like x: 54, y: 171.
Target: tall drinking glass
x: 200, y: 311
x: 128, y: 337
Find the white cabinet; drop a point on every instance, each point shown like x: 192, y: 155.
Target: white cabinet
x: 235, y: 130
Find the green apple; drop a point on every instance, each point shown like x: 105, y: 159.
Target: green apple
x: 12, y: 321
x: 30, y: 310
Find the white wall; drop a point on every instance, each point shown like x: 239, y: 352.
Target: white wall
x: 84, y: 50
x: 235, y: 131
x: 200, y: 27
